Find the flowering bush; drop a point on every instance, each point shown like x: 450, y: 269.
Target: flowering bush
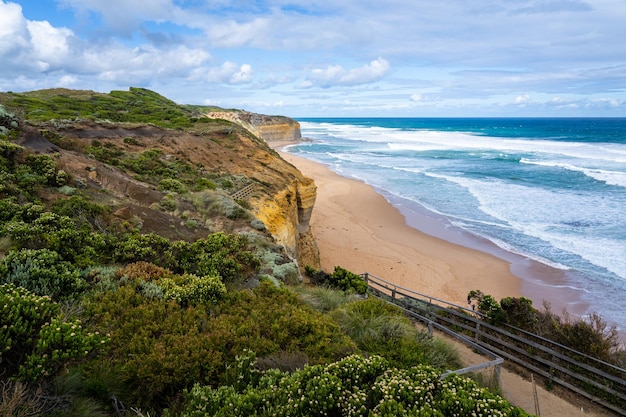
x: 189, y: 289
x: 33, y: 342
x: 354, y: 386
x: 22, y: 314
x: 219, y: 254
x: 74, y: 242
x: 59, y: 342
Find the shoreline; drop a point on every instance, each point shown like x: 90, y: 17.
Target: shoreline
x: 366, y: 230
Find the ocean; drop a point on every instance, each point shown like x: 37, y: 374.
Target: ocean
x: 549, y: 190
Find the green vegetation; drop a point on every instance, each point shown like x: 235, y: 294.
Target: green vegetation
x: 340, y: 279
x: 354, y: 386
x: 137, y: 105
x: 99, y: 319
x: 590, y: 335
x: 43, y: 272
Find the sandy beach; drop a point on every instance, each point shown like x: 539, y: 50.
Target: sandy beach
x: 358, y: 229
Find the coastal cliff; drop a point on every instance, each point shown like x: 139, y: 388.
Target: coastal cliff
x: 129, y: 157
x: 286, y: 213
x: 269, y: 128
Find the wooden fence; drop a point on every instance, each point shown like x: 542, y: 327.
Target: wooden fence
x: 243, y: 193
x: 592, y: 378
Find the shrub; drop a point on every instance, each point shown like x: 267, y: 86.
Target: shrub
x: 143, y: 271
x: 287, y: 273
x: 73, y: 242
x: 519, y: 312
x: 591, y: 336
x: 219, y: 254
x: 151, y: 248
x: 201, y: 184
x: 341, y: 279
x: 44, y: 166
x: 170, y: 184
x: 161, y: 347
x: 22, y: 314
x: 43, y: 272
x: 58, y: 343
x: 354, y: 386
x: 168, y: 203
x: 382, y: 329
x: 81, y: 210
x: 487, y: 305
x: 189, y: 289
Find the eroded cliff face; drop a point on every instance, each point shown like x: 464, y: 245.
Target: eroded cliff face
x: 121, y: 163
x: 282, y: 197
x: 269, y: 128
x: 287, y: 216
x: 287, y: 212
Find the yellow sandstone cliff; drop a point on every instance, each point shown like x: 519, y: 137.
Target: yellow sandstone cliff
x: 287, y: 212
x: 269, y: 128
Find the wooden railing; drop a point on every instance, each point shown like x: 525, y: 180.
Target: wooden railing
x: 243, y: 193
x: 599, y: 381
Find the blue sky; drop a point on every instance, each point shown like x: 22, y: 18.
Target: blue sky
x: 410, y: 58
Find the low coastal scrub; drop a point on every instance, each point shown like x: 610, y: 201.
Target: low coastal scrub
x: 136, y: 105
x: 99, y: 319
x: 354, y: 386
x: 383, y: 329
x: 590, y: 335
x: 340, y: 279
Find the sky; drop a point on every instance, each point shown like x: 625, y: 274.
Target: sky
x: 323, y: 58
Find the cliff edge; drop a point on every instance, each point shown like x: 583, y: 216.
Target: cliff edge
x: 170, y: 169
x: 269, y: 128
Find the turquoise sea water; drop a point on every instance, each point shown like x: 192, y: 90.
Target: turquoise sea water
x: 552, y: 190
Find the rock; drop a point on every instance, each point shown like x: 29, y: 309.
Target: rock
x: 268, y: 128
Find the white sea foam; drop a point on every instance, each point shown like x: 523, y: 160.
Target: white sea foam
x: 559, y: 202
x: 423, y: 140
x: 607, y: 176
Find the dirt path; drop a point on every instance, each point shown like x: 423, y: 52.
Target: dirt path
x: 518, y: 390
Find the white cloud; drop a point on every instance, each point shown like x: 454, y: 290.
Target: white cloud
x: 68, y: 81
x: 230, y: 34
x: 522, y: 100
x: 228, y: 73
x: 13, y: 31
x: 424, y: 98
x: 49, y: 44
x: 336, y: 75
x: 454, y: 55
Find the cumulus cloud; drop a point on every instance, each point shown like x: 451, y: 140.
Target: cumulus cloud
x: 230, y: 34
x: 30, y: 46
x: 13, y: 30
x: 492, y: 55
x: 335, y: 75
x: 228, y: 72
x: 50, y: 45
x: 33, y: 48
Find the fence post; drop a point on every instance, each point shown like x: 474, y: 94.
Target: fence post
x: 477, y: 330
x: 393, y: 293
x: 430, y: 329
x: 496, y: 374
